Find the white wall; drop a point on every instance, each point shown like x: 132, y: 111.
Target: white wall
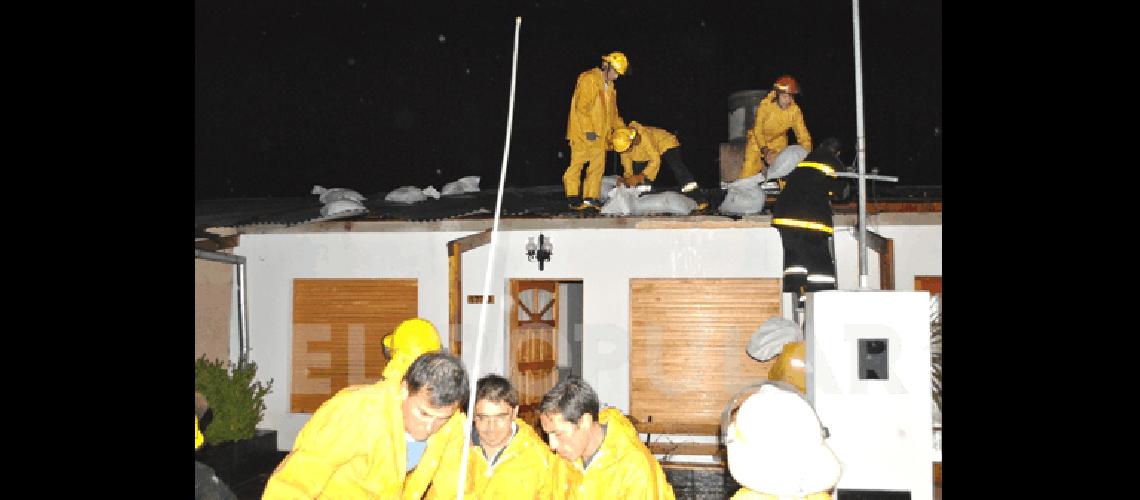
x: 918, y: 252
x: 604, y: 259
x: 879, y: 429
x: 275, y: 260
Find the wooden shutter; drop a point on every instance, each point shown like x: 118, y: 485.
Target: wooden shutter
x: 688, y: 340
x: 337, y: 328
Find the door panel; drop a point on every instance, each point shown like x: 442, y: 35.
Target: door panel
x: 533, y: 342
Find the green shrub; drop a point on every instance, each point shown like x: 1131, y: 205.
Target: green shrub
x: 236, y: 400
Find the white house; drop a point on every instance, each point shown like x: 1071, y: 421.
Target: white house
x: 653, y: 312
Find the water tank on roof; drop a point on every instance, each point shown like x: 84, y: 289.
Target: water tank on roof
x: 742, y: 112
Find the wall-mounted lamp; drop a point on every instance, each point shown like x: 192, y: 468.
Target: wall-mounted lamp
x: 541, y: 252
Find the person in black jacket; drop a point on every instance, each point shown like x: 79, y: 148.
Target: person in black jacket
x: 803, y: 216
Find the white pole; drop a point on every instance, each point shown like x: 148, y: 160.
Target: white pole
x: 861, y: 150
x: 462, y: 479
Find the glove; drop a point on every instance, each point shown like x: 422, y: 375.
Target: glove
x: 633, y: 180
x: 590, y: 136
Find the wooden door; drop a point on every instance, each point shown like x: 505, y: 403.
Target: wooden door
x: 533, y: 342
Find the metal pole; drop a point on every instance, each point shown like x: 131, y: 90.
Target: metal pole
x: 461, y: 481
x: 861, y: 150
x: 218, y: 257
x: 243, y: 318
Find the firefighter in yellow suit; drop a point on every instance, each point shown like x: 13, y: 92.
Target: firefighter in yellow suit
x: 507, y: 459
x: 777, y: 447
x: 593, y: 116
x: 602, y: 457
x: 776, y: 113
x: 355, y: 445
x: 645, y: 147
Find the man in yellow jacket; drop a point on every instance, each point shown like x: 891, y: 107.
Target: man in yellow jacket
x: 644, y: 147
x: 362, y: 442
x: 776, y: 113
x: 439, y: 467
x: 593, y: 116
x: 601, y: 455
x: 507, y: 459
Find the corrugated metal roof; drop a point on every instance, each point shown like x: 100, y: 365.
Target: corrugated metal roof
x: 537, y: 201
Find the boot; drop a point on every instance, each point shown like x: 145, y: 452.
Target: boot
x: 588, y: 204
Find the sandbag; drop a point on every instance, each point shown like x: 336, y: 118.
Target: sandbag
x: 411, y: 194
x: 786, y: 161
x: 608, y: 183
x: 334, y: 194
x: 769, y: 339
x: 743, y: 196
x: 620, y: 200
x: 339, y: 207
x: 469, y: 184
x: 669, y: 202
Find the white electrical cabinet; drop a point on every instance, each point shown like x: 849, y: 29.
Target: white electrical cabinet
x: 868, y: 376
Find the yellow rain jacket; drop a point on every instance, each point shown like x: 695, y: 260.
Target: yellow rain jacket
x: 398, y: 366
x: 771, y: 130
x: 197, y: 434
x: 352, y: 447
x: 747, y: 494
x: 441, y: 458
x: 593, y: 108
x: 439, y: 466
x: 524, y: 469
x: 622, y: 468
x: 654, y: 142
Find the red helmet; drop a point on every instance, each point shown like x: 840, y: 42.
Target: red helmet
x: 787, y: 84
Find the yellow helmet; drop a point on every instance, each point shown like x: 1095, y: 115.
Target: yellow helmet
x: 618, y: 60
x: 622, y: 138
x: 790, y: 366
x: 413, y: 337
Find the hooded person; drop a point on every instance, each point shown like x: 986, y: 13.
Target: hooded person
x: 407, y: 342
x: 777, y: 448
x: 442, y: 457
x: 601, y: 454
x: 375, y: 439
x: 803, y: 216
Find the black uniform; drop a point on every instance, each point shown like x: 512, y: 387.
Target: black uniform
x: 803, y: 216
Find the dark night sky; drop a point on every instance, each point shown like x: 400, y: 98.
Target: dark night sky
x: 373, y: 95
